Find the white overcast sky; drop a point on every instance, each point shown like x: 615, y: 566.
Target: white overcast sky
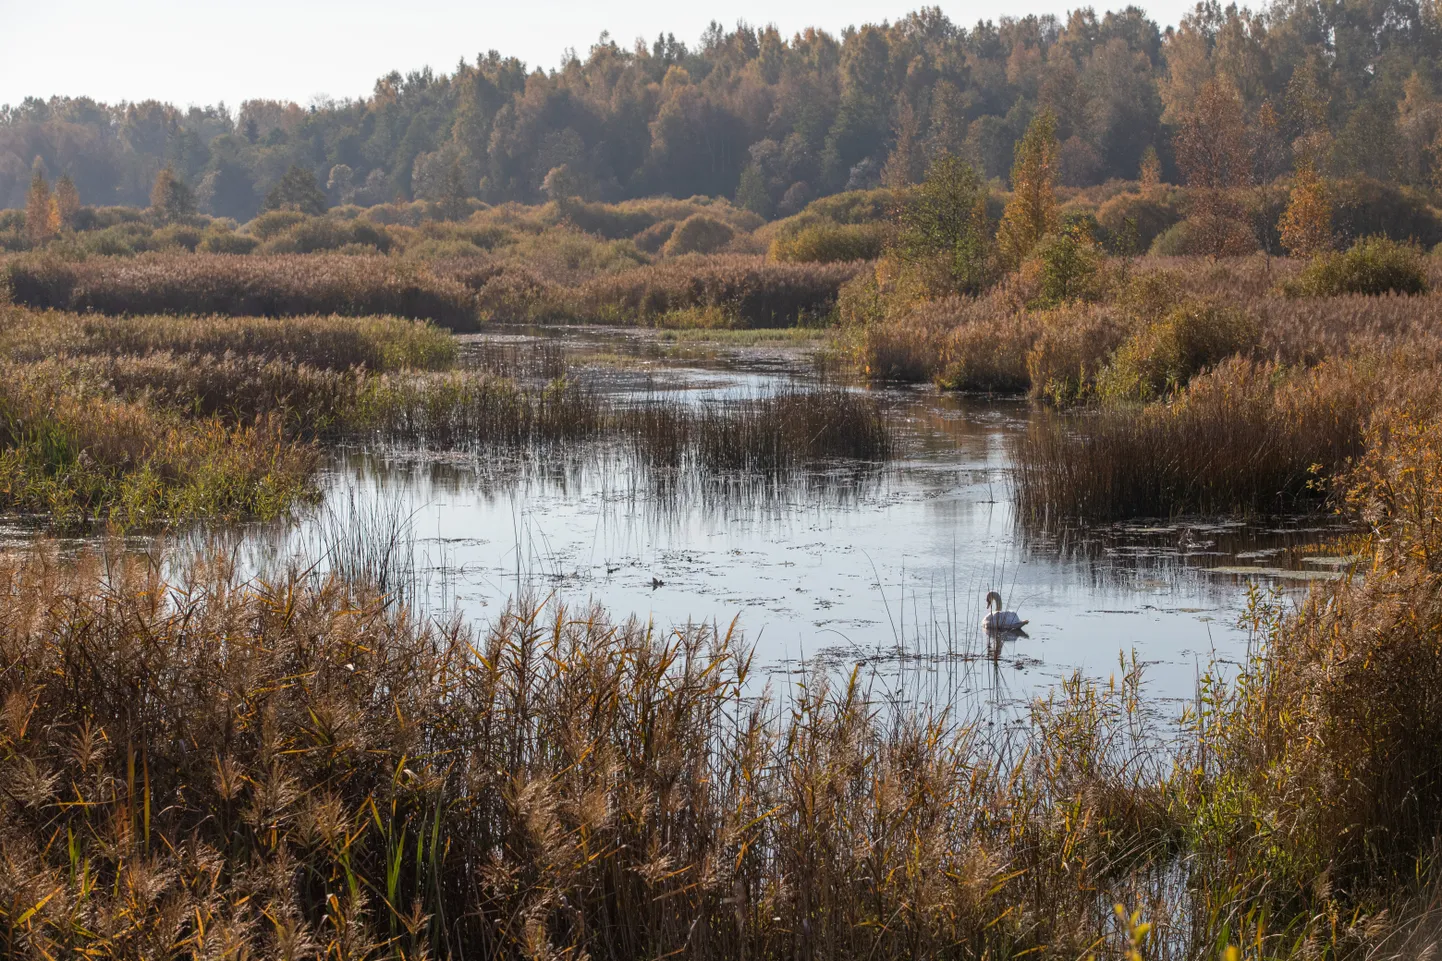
x: 204, y: 51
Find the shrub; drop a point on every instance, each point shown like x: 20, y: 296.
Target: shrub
x: 1131, y: 223
x: 1065, y: 266
x: 176, y: 235
x: 1363, y: 207
x: 698, y: 234
x: 272, y: 223
x: 226, y: 242
x: 322, y: 233
x: 1164, y: 355
x: 1373, y: 266
x: 854, y: 206
x: 608, y: 221
x: 824, y: 243
x: 1198, y: 236
x: 654, y: 237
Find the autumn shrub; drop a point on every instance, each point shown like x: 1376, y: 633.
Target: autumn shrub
x: 1162, y: 356
x: 1064, y: 267
x: 1373, y: 266
x: 327, y: 234
x: 273, y: 223
x: 226, y: 242
x: 1070, y: 351
x: 698, y: 234
x: 1204, y: 235
x: 654, y: 237
x: 608, y: 220
x: 1132, y: 222
x: 1363, y: 207
x: 829, y: 243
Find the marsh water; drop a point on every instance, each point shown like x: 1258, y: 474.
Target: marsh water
x: 884, y: 565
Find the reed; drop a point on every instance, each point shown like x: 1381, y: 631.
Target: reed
x: 269, y: 286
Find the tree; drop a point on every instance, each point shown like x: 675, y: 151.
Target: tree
x: 37, y: 207
x: 1306, y: 224
x: 170, y: 198
x: 1150, y: 174
x: 297, y: 190
x: 942, y: 227
x: 752, y: 194
x: 453, y: 192
x: 65, y: 202
x: 1031, y: 213
x: 1214, y: 152
x: 341, y: 183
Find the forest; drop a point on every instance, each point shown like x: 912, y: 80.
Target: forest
x: 773, y: 122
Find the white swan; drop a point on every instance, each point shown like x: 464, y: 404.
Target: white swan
x: 1000, y: 620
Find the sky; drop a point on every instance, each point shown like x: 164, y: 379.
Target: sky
x: 206, y: 51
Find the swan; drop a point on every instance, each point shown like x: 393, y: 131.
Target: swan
x: 1000, y: 620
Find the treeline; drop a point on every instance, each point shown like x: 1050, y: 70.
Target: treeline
x: 773, y: 123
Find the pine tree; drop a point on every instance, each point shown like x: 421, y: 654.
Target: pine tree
x: 66, y: 201
x: 1306, y: 224
x: 1031, y: 213
x: 37, y: 208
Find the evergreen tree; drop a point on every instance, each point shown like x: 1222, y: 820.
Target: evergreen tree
x: 297, y: 190
x: 1031, y: 213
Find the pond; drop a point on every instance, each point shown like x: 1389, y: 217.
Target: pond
x: 884, y: 566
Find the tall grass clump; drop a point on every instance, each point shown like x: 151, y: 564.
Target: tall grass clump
x: 1373, y: 266
x: 1247, y: 437
x: 78, y: 457
x: 1332, y: 739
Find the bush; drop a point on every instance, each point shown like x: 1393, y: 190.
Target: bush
x: 1373, y: 266
x: 227, y: 242
x: 322, y: 233
x: 1131, y: 223
x: 606, y: 220
x: 854, y: 206
x: 1163, y: 356
x: 824, y: 243
x: 1365, y: 208
x: 176, y: 235
x: 654, y: 237
x: 1066, y: 266
x: 698, y: 234
x: 273, y: 223
x: 1194, y: 237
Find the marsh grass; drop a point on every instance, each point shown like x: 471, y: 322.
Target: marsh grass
x: 270, y: 286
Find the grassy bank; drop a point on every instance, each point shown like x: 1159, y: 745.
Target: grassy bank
x: 299, y: 769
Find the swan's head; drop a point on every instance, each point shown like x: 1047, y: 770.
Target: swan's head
x: 991, y: 597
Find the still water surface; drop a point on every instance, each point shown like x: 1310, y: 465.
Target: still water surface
x: 886, y: 566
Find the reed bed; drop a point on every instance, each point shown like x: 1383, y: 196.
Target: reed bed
x: 267, y: 286
x: 330, y: 342
x: 76, y: 457
x: 787, y: 430
x: 1246, y: 437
